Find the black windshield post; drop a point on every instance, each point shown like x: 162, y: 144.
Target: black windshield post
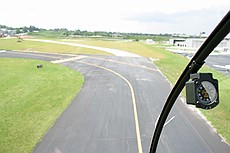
x: 193, y: 66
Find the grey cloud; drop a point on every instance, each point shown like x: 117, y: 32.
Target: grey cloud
x: 176, y: 17
x: 192, y: 21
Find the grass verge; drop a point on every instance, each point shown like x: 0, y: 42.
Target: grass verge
x: 31, y: 100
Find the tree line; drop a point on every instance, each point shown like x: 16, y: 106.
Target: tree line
x: 64, y: 32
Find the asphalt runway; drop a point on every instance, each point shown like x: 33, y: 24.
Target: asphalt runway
x: 214, y: 59
x: 117, y: 109
x: 221, y: 60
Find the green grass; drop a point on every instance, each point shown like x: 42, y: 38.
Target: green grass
x: 12, y: 44
x: 31, y: 100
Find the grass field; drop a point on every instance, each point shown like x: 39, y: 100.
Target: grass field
x: 31, y: 99
x: 12, y: 44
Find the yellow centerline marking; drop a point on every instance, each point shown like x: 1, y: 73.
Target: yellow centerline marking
x: 139, y: 144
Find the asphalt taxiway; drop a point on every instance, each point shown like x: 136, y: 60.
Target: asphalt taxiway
x: 118, y: 107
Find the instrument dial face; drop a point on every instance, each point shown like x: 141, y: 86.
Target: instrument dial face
x: 206, y: 93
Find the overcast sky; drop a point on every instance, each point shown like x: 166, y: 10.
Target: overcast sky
x: 143, y: 16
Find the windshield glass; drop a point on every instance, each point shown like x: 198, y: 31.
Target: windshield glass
x: 94, y: 76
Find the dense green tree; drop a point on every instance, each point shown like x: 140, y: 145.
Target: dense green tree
x: 18, y: 30
x: 33, y: 28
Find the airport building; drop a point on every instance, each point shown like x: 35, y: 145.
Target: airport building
x: 197, y: 42
x: 5, y: 32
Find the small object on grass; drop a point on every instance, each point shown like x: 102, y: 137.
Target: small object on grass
x: 39, y: 66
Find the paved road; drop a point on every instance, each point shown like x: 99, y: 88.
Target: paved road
x: 101, y: 118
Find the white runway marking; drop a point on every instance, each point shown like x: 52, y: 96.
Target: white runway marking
x: 2, y: 51
x: 169, y: 120
x: 165, y: 122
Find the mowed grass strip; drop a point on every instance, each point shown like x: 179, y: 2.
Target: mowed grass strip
x: 27, y: 45
x: 31, y: 100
